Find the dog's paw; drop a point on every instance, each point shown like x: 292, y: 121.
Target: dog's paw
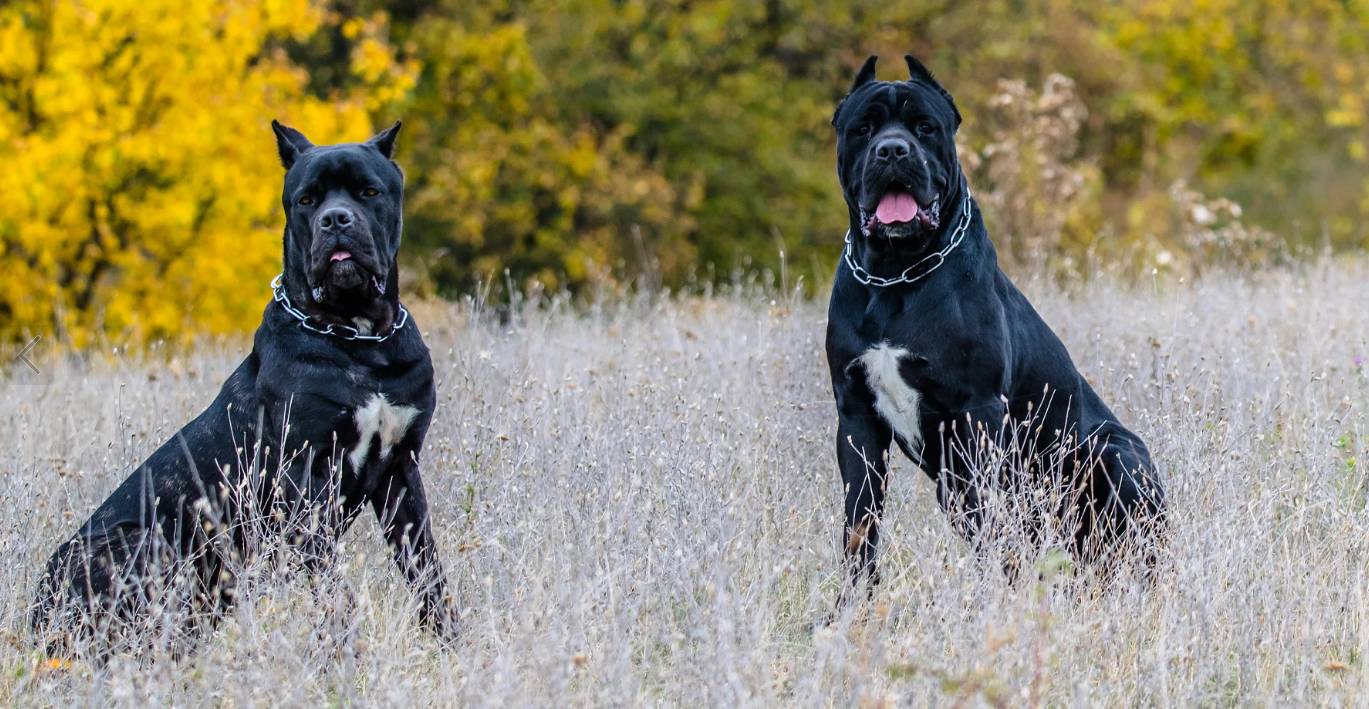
x: 442, y: 620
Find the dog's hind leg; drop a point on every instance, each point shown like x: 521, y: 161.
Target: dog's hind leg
x: 1126, y: 506
x: 94, y: 588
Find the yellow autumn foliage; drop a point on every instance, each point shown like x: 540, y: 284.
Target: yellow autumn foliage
x: 577, y: 144
x: 139, y: 194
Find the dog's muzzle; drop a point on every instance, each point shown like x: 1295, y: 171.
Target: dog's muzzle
x: 342, y: 255
x: 344, y: 273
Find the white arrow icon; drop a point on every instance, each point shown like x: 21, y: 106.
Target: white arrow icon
x: 23, y: 354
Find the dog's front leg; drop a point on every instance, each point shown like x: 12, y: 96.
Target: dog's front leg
x: 862, y: 445
x: 402, y: 510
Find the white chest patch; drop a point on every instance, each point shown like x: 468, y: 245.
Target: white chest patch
x: 380, y: 418
x: 895, y: 401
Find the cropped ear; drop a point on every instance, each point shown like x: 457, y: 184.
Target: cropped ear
x: 866, y: 73
x: 290, y: 142
x: 918, y: 72
x: 863, y: 77
x: 384, y: 141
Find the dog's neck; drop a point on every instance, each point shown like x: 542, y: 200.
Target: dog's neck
x: 373, y: 312
x: 888, y: 258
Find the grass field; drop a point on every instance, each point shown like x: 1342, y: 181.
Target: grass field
x: 638, y: 504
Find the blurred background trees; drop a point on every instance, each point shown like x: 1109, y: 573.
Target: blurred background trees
x: 591, y: 142
x: 138, y: 192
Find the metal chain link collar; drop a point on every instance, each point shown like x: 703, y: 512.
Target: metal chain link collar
x: 870, y: 279
x: 345, y: 332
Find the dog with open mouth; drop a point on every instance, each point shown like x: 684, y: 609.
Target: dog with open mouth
x: 933, y: 349
x: 324, y: 418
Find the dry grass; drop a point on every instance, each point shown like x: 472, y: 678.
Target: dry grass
x: 640, y: 504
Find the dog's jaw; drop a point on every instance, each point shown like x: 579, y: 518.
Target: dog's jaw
x: 358, y: 284
x: 369, y: 295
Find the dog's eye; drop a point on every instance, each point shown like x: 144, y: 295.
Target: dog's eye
x: 370, y: 192
x: 926, y: 128
x: 863, y: 129
x: 306, y: 200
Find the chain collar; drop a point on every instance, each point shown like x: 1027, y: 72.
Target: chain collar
x: 346, y: 332
x: 870, y: 279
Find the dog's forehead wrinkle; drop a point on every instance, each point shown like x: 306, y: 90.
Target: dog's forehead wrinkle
x: 348, y: 163
x: 903, y: 98
x: 347, y: 175
x: 887, y: 101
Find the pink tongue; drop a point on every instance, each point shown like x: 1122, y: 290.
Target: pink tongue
x: 341, y: 256
x: 896, y: 207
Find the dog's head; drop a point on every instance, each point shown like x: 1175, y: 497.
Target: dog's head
x: 896, y: 154
x: 343, y: 218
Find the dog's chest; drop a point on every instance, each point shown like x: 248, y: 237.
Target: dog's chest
x: 895, y: 401
x: 381, y: 425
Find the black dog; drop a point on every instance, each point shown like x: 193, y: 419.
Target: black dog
x: 325, y: 417
x: 933, y: 348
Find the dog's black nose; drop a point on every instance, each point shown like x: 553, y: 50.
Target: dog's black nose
x: 892, y: 149
x: 335, y: 218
